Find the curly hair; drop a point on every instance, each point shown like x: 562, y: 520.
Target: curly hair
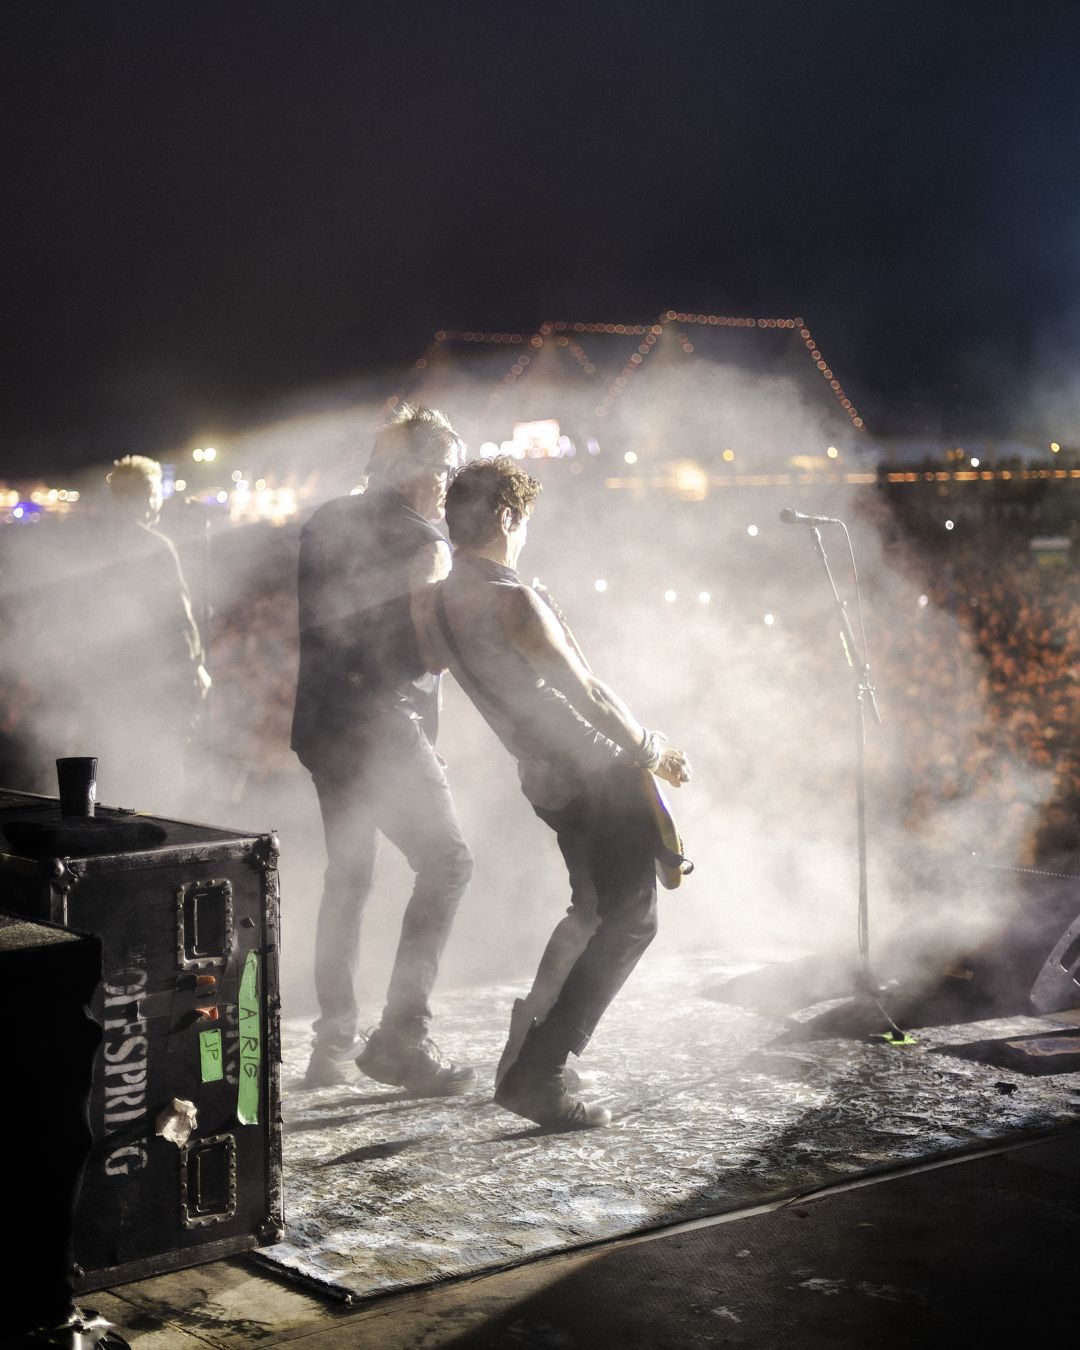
x: 479, y: 492
x: 411, y: 442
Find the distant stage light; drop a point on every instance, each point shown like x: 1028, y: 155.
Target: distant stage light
x: 752, y: 531
x: 630, y: 457
x: 236, y: 475
x: 18, y: 513
x: 691, y: 482
x: 704, y: 597
x: 950, y: 525
x: 222, y: 497
x: 1054, y: 446
x: 729, y: 455
x: 198, y: 454
x: 770, y: 619
x: 832, y: 452
x: 924, y: 600
x: 180, y: 485
x: 600, y: 585
x: 209, y: 453
x: 260, y: 484
x: 975, y: 461
x: 538, y: 439
x: 669, y: 596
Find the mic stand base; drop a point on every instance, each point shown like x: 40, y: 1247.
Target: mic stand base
x: 862, y: 1016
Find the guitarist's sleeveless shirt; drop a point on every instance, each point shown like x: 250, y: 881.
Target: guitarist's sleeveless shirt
x: 555, y: 747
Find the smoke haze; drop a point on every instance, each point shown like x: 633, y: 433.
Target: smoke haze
x: 712, y: 619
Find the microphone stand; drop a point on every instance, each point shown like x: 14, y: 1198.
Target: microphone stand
x: 867, y: 987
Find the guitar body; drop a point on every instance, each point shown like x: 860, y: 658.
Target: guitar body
x: 671, y: 863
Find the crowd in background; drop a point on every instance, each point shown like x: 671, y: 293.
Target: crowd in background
x: 984, y: 676
x: 992, y: 694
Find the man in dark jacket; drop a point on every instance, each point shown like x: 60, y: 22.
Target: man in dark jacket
x: 364, y: 726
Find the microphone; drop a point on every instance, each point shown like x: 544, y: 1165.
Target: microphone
x: 792, y: 517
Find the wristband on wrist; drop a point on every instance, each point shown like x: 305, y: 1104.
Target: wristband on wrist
x: 650, y: 751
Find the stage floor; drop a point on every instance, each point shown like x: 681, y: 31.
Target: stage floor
x: 716, y: 1108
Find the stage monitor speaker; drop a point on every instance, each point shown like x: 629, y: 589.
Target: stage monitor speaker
x: 48, y: 977
x: 1033, y: 961
x: 1057, y: 985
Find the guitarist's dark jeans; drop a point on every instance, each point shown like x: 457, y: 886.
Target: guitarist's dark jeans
x: 606, y: 837
x: 385, y: 780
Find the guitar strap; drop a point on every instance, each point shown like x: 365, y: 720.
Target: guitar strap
x: 672, y: 864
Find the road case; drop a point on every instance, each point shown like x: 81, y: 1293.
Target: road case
x: 185, y: 1106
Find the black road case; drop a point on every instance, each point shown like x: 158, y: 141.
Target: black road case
x: 185, y: 1107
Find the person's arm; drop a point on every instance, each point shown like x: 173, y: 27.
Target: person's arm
x: 533, y: 630
x: 430, y: 565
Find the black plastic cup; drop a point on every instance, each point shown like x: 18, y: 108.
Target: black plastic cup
x: 77, y: 777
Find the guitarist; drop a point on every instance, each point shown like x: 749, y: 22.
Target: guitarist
x: 580, y: 755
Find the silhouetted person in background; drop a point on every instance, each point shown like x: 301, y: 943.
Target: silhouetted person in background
x: 364, y: 726
x: 104, y: 632
x: 144, y: 651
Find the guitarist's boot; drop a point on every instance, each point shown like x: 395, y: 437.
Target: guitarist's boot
x: 534, y: 1086
x: 521, y: 1020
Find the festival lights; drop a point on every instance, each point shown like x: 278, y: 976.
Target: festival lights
x: 691, y: 482
x: 649, y: 334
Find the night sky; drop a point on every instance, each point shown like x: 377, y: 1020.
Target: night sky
x: 210, y: 207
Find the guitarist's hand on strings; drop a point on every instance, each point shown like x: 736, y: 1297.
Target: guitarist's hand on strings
x: 665, y: 761
x: 673, y: 767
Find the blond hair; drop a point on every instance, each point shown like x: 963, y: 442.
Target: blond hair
x: 132, y: 476
x: 411, y: 442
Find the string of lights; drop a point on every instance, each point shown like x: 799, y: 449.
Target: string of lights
x: 649, y: 333
x: 645, y: 346
x: 728, y: 321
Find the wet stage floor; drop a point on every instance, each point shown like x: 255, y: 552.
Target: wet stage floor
x: 716, y: 1108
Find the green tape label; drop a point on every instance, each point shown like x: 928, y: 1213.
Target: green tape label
x: 247, y: 1096
x: 213, y: 1070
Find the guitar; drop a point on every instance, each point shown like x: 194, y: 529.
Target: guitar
x: 671, y: 862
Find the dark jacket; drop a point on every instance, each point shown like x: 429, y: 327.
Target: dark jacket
x: 358, y: 652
